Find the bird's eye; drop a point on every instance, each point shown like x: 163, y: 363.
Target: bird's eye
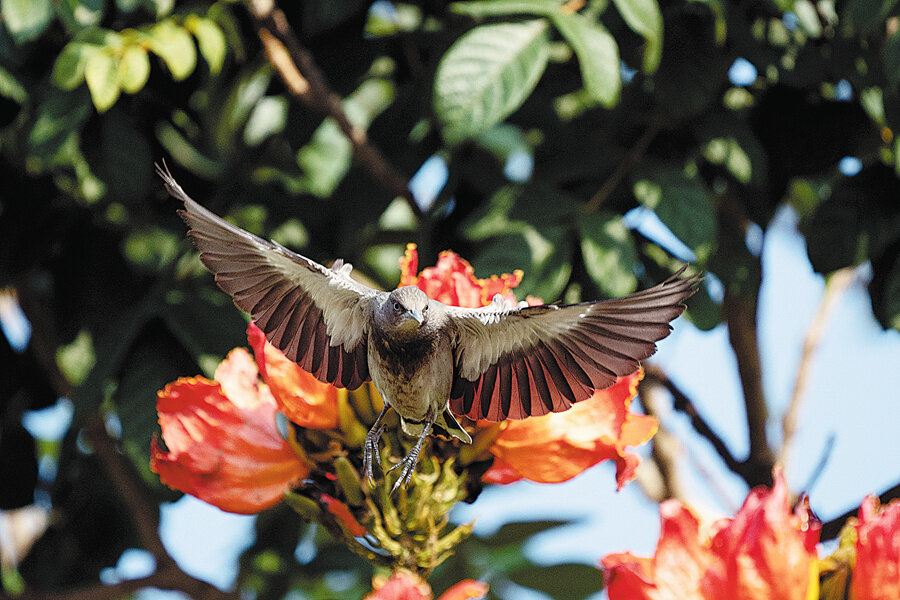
x: 426, y: 308
x: 397, y: 306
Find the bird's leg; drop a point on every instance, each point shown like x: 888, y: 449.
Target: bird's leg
x: 370, y: 448
x: 409, y: 462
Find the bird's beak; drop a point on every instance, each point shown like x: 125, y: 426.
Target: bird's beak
x: 414, y: 314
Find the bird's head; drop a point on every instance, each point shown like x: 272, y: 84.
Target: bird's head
x: 406, y: 310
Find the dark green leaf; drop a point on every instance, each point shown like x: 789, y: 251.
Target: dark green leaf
x: 609, y: 253
x: 569, y: 581
x: 11, y: 88
x: 516, y: 533
x: 865, y: 16
x: 68, y: 70
x: 77, y: 14
x: 892, y: 60
x: 26, y: 19
x: 683, y: 203
x: 645, y: 19
x: 598, y: 56
x: 487, y: 74
x: 499, y: 8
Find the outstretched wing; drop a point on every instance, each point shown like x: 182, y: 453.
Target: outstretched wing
x: 319, y: 317
x: 512, y: 363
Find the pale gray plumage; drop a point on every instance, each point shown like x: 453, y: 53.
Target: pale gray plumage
x: 425, y: 358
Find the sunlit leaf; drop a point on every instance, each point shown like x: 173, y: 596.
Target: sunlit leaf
x: 174, y: 45
x: 497, y: 8
x: 26, y: 19
x: 487, y: 74
x: 68, y: 70
x: 102, y: 76
x: 77, y: 14
x: 210, y: 39
x: 608, y: 252
x: 134, y: 69
x: 598, y: 56
x: 645, y: 19
x: 11, y: 88
x: 268, y: 118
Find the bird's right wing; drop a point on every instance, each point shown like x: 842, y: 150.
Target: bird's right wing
x: 319, y: 317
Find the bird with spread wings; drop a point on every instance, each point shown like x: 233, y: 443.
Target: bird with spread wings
x: 430, y: 361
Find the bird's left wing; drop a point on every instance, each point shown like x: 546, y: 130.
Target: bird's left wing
x: 515, y: 362
x: 319, y: 317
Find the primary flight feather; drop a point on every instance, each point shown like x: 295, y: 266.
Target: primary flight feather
x: 429, y: 360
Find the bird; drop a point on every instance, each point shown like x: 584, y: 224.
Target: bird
x: 430, y: 361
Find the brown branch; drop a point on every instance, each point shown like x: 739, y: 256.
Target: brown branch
x: 831, y: 529
x: 305, y: 81
x: 666, y: 449
x: 145, y: 512
x: 682, y: 403
x: 838, y: 282
x: 625, y: 165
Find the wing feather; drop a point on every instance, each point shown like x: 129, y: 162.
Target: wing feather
x: 319, y: 317
x: 513, y: 362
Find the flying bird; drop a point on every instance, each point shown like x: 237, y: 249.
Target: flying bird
x: 428, y: 360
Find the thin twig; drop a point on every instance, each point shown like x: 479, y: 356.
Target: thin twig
x: 145, y: 512
x: 838, y: 282
x: 625, y: 165
x: 831, y: 529
x: 824, y: 457
x: 306, y: 81
x: 681, y: 402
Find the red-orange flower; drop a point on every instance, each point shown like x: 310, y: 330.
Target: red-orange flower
x: 569, y: 442
x: 342, y: 513
x: 222, y: 442
x: 877, y: 572
x: 300, y: 396
x: 404, y: 585
x: 765, y: 552
x: 452, y: 280
x: 596, y: 429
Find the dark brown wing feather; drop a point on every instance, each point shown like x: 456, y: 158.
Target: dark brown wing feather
x: 517, y: 362
x: 317, y: 316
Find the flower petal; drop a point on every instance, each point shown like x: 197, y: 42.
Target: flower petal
x: 877, y: 572
x: 401, y: 585
x: 559, y: 446
x: 467, y: 589
x: 300, y: 396
x: 342, y: 513
x: 225, y: 451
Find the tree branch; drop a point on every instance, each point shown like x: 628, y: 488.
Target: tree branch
x: 305, y: 81
x: 838, y: 282
x: 168, y: 574
x: 628, y: 161
x: 831, y: 529
x: 681, y: 402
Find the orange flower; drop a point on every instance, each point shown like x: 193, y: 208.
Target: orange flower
x: 300, y: 396
x: 764, y: 553
x: 222, y: 442
x: 342, y: 513
x: 404, y: 585
x: 452, y: 280
x: 877, y: 572
x: 558, y: 446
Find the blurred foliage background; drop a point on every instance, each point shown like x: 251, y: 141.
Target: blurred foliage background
x: 534, y: 128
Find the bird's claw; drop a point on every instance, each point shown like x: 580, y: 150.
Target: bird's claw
x: 406, y: 466
x: 370, y: 451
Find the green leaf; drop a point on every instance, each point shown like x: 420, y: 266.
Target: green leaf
x: 134, y: 69
x: 210, y: 39
x: 26, y: 20
x: 683, y: 204
x: 327, y: 158
x: 598, y: 56
x: 609, y: 253
x: 892, y: 60
x: 487, y: 74
x: 58, y: 118
x: 569, y: 581
x: 174, y: 45
x: 268, y: 118
x: 77, y: 14
x: 68, y: 70
x: 102, y: 76
x: 516, y: 533
x: 497, y: 8
x: 11, y: 88
x: 645, y: 19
